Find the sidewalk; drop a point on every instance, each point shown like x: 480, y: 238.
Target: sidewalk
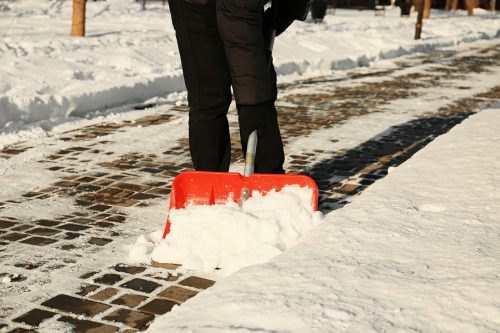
x: 71, y: 203
x: 418, y: 252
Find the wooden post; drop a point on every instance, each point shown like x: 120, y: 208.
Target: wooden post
x: 427, y: 9
x: 454, y: 5
x: 493, y: 5
x: 418, y: 27
x: 143, y: 4
x: 447, y: 6
x: 469, y: 4
x: 78, y: 22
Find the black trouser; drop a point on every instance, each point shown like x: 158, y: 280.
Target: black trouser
x: 215, y: 56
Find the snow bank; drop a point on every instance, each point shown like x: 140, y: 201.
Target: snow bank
x: 130, y: 55
x: 227, y: 237
x: 418, y: 251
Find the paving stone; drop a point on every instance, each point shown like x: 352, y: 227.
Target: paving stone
x: 127, y: 203
x: 38, y: 241
x: 29, y: 265
x: 133, y: 187
x: 68, y: 247
x: 6, y: 224
x: 81, y: 220
x: 164, y: 265
x: 47, y: 223
x: 75, y: 305
x: 142, y: 285
x: 144, y: 196
x: 85, y: 179
x: 163, y: 276
x: 104, y: 294
x: 31, y: 194
x: 22, y: 227
x: 73, y: 227
x: 177, y: 294
x: 158, y: 306
x: 71, y: 235
x: 13, y: 236
x: 104, y: 224
x: 99, y: 241
x: 197, y: 282
x: 134, y: 319
x: 123, y: 194
x: 130, y: 300
x: 44, y: 231
x: 34, y: 317
x: 23, y: 330
x: 109, y: 279
x: 13, y: 277
x: 87, y: 275
x: 117, y: 218
x: 87, y: 289
x: 87, y: 326
x: 100, y: 208
x: 347, y: 188
x: 129, y: 269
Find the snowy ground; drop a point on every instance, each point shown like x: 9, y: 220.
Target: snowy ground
x: 130, y: 55
x: 418, y: 251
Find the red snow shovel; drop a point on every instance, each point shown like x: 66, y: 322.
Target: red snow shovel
x: 210, y: 188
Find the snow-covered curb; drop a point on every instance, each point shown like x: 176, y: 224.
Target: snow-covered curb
x: 418, y: 251
x: 47, y: 75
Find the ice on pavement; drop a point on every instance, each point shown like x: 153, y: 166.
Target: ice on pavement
x: 227, y: 237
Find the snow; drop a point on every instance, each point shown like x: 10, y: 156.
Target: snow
x: 224, y: 238
x: 418, y: 251
x: 130, y: 55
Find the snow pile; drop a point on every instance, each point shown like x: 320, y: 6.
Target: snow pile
x: 227, y: 237
x: 418, y: 251
x: 130, y: 55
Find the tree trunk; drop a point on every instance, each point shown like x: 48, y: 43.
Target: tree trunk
x: 454, y: 5
x: 493, y: 5
x: 418, y: 27
x: 470, y: 7
x: 448, y: 5
x: 78, y: 23
x: 427, y: 9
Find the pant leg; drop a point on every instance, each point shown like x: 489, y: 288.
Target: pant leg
x: 241, y: 24
x: 270, y: 155
x: 208, y: 83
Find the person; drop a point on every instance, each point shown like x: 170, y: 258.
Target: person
x: 223, y: 44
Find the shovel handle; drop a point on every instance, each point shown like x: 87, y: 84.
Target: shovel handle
x: 250, y: 157
x: 249, y: 165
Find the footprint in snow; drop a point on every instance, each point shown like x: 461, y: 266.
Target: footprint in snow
x: 431, y: 208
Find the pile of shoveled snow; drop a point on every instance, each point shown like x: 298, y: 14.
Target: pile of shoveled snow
x: 226, y: 237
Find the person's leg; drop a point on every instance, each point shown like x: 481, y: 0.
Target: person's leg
x: 207, y: 81
x: 241, y: 24
x: 253, y: 77
x: 270, y: 156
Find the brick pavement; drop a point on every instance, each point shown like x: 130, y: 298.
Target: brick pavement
x: 126, y: 298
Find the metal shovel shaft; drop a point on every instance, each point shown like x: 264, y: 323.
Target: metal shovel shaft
x: 249, y: 165
x: 250, y: 157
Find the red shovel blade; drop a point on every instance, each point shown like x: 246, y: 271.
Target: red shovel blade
x: 209, y: 188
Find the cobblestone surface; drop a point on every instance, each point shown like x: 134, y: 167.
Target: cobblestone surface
x: 126, y: 298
